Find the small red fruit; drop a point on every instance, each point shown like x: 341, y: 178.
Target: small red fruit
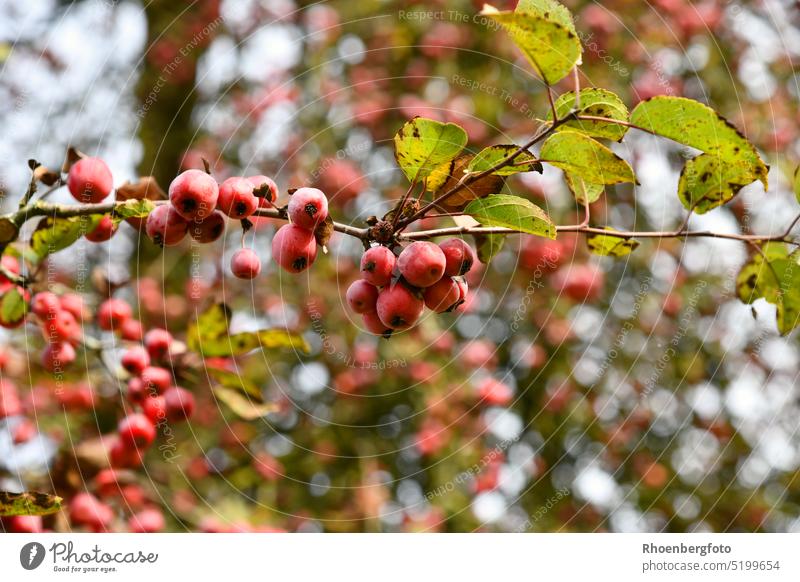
x: 421, y: 263
x: 135, y: 360
x: 178, y: 403
x: 236, y: 198
x: 112, y: 313
x: 146, y: 521
x: 155, y: 408
x: 245, y: 264
x: 398, y: 307
x: 194, y: 194
x: 374, y: 324
x: 459, y: 257
x: 61, y: 327
x: 156, y: 379
x: 29, y: 524
x: 104, y: 230
x: 85, y: 509
x: 362, y: 296
x: 45, y: 304
x: 136, y: 430
x: 294, y: 248
x: 377, y: 265
x: 137, y: 390
x: 131, y: 330
x: 122, y: 456
x: 208, y: 229
x: 73, y: 303
x: 90, y: 180
x: 157, y: 341
x: 265, y: 189
x: 165, y: 226
x: 442, y: 295
x: 56, y: 357
x: 308, y: 207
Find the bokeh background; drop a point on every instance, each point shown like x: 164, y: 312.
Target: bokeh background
x: 571, y: 393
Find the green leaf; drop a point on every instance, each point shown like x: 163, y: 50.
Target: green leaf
x: 488, y: 245
x: 610, y: 246
x: 696, y: 125
x: 13, y: 307
x: 583, y: 190
x: 595, y: 103
x: 512, y: 212
x: 235, y: 381
x: 209, y: 336
x: 586, y: 158
x: 133, y: 208
x: 708, y: 181
x: 28, y: 503
x: 546, y: 38
x: 241, y: 405
x: 548, y: 9
x: 489, y: 157
x: 54, y: 234
x: 422, y: 145
x: 775, y: 277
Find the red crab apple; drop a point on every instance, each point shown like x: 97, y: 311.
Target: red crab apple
x: 308, y: 207
x: 24, y: 524
x: 156, y: 379
x: 135, y: 360
x: 362, y: 296
x: 265, y: 189
x: 374, y: 324
x: 136, y: 430
x: 194, y: 194
x: 112, y: 313
x: 56, y: 357
x: 421, y: 263
x: 61, y: 326
x: 146, y: 521
x: 90, y: 180
x: 178, y: 403
x: 208, y: 229
x: 45, y: 304
x: 579, y: 282
x: 155, y: 408
x: 245, y: 264
x: 442, y: 295
x: 165, y: 226
x: 377, y: 265
x: 85, y: 509
x: 294, y: 248
x: 236, y: 198
x: 104, y: 230
x: 398, y: 307
x: 459, y: 257
x: 157, y: 342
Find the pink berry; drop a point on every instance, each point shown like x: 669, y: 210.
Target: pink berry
x: 442, y: 295
x: 155, y: 408
x: 90, y: 180
x: 208, y: 229
x: 377, y: 265
x: 136, y: 430
x: 294, y: 248
x: 156, y: 379
x: 459, y: 257
x: 308, y: 207
x: 45, y: 304
x: 122, y: 456
x: 112, y: 313
x: 236, y: 198
x: 135, y: 360
x: 73, y: 303
x: 265, y: 189
x: 165, y: 226
x: 157, y: 341
x: 374, y: 324
x: 25, y: 524
x: 85, y: 509
x: 245, y: 264
x: 398, y: 307
x: 137, y: 390
x: 56, y: 357
x: 178, y: 403
x: 421, y: 263
x: 104, y: 230
x: 194, y: 194
x: 146, y: 521
x: 61, y: 327
x: 131, y: 330
x: 362, y: 296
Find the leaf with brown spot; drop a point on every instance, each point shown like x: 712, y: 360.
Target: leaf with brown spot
x: 28, y: 503
x: 481, y: 188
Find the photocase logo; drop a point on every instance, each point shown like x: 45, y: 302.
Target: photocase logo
x: 31, y: 555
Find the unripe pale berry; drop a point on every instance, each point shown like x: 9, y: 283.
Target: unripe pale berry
x: 157, y: 341
x: 90, y: 180
x: 374, y: 324
x: 236, y: 198
x: 165, y: 226
x: 178, y: 403
x: 265, y: 189
x: 135, y: 360
x: 208, y: 229
x: 421, y: 263
x: 112, y: 313
x: 308, y: 207
x: 136, y: 430
x: 194, y: 194
x: 459, y: 257
x: 377, y: 265
x: 104, y: 230
x: 56, y: 357
x: 362, y: 296
x: 442, y: 295
x: 245, y: 264
x: 294, y: 248
x: 398, y: 307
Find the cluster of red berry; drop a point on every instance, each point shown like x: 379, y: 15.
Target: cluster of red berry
x: 394, y: 290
